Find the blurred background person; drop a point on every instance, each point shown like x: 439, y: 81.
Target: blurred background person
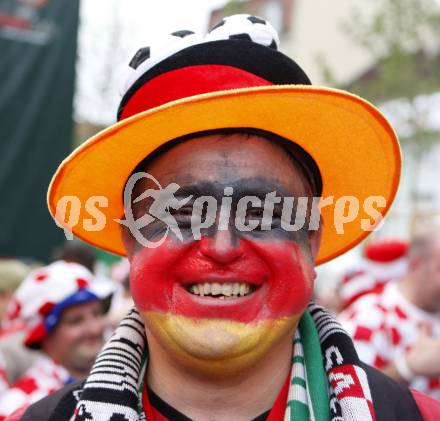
x: 12, y: 272
x: 61, y: 306
x: 77, y: 252
x: 382, y: 260
x: 397, y: 329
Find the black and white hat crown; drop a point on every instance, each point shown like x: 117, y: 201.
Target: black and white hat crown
x: 242, y: 41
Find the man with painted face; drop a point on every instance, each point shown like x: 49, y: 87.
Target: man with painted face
x: 222, y: 274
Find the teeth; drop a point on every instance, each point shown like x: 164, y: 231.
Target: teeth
x: 223, y: 291
x: 227, y: 290
x: 216, y: 289
x: 207, y: 288
x: 236, y: 289
x: 244, y: 289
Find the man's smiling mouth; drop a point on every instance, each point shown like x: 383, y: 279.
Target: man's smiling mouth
x: 222, y: 291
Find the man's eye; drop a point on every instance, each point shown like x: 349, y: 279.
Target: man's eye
x: 183, y: 216
x: 74, y: 321
x: 277, y: 214
x: 184, y: 212
x: 256, y: 213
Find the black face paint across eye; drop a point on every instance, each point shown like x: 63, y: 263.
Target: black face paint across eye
x: 270, y: 212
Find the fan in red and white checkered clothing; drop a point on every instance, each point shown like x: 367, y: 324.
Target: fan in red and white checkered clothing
x: 384, y: 326
x: 398, y: 329
x: 61, y: 309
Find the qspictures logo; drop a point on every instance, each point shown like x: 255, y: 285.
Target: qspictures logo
x: 246, y: 213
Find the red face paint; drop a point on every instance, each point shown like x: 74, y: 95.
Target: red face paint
x: 281, y: 272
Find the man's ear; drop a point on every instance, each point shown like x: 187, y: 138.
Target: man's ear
x: 315, y: 240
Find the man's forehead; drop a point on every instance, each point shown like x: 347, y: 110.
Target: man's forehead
x: 231, y: 156
x: 223, y: 146
x: 81, y: 309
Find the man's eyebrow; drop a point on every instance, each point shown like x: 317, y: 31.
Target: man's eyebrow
x: 196, y: 190
x: 253, y: 186
x: 259, y: 186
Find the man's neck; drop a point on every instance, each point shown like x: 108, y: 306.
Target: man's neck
x: 73, y: 371
x: 78, y: 374
x: 241, y: 397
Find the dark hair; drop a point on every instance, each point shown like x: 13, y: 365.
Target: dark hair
x: 74, y: 251
x: 299, y: 157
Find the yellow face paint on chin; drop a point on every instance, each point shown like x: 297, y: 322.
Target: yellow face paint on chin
x: 215, y: 346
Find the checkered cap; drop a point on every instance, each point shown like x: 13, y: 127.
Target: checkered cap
x: 46, y: 291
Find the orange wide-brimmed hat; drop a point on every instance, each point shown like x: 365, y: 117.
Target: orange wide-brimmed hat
x: 233, y: 78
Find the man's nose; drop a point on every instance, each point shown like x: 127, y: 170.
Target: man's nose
x: 221, y: 247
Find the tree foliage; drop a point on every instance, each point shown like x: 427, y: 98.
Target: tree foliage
x: 402, y: 37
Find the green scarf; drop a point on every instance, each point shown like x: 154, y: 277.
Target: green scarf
x: 308, y: 397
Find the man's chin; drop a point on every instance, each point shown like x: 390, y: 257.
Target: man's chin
x: 217, y: 347
x: 87, y: 352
